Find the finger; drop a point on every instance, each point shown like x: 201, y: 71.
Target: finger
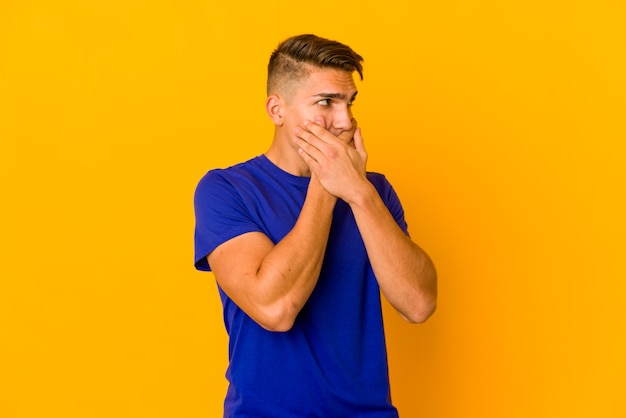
x: 308, y: 152
x: 348, y: 136
x: 303, y: 134
x: 319, y: 131
x: 358, y: 141
x: 354, y: 125
x: 310, y: 161
x: 308, y: 143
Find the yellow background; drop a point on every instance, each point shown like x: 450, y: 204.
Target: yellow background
x: 501, y: 125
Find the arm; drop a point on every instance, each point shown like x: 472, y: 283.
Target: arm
x: 405, y: 273
x: 271, y: 283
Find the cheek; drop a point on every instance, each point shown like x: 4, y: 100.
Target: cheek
x: 325, y: 114
x: 313, y: 113
x: 298, y: 115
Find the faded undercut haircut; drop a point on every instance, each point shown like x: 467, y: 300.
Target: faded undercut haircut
x: 297, y: 56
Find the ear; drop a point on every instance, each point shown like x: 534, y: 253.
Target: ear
x: 274, y: 105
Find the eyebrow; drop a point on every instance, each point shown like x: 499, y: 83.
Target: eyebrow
x: 336, y: 96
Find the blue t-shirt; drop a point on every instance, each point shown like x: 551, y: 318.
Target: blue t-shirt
x: 333, y: 361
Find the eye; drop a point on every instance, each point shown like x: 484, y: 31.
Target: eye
x: 324, y: 102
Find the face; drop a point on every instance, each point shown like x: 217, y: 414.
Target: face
x: 326, y: 94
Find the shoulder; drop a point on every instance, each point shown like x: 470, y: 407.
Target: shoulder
x: 232, y: 172
x: 381, y: 183
x: 389, y: 197
x: 219, y: 180
x: 377, y: 179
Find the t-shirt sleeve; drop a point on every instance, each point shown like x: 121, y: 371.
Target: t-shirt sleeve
x: 220, y: 216
x: 391, y: 199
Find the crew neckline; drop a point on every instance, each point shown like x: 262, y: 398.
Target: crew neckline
x: 281, y: 174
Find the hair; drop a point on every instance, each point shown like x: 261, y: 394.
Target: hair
x: 296, y: 57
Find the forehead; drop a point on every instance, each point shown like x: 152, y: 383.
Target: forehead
x: 327, y: 81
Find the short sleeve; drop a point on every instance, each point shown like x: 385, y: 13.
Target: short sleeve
x: 220, y: 216
x: 390, y: 198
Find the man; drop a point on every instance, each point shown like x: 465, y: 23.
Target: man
x: 302, y: 240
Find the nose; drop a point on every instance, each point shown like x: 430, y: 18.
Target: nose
x: 342, y: 119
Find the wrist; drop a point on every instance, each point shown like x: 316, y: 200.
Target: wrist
x: 363, y: 195
x: 319, y: 194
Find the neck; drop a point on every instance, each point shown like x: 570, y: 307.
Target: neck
x: 284, y: 154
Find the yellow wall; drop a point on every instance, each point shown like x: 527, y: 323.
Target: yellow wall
x: 501, y: 124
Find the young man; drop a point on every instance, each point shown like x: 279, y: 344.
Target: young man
x: 302, y: 240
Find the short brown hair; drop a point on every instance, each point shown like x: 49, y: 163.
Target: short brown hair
x: 294, y: 57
